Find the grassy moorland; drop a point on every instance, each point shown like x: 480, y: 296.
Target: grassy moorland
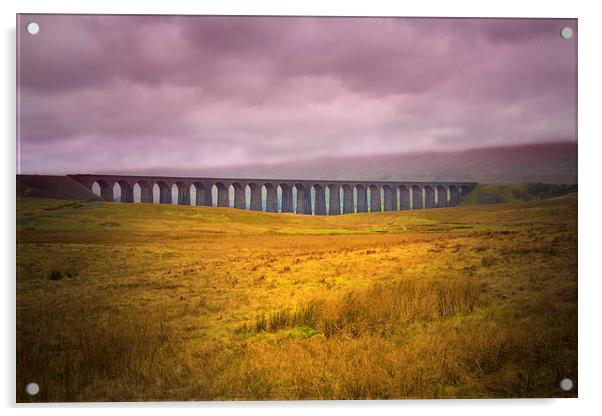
x: 160, y: 302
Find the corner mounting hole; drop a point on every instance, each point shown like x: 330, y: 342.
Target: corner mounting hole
x: 32, y: 389
x: 566, y: 384
x: 33, y: 28
x: 566, y: 32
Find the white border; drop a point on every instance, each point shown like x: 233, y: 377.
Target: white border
x: 590, y: 137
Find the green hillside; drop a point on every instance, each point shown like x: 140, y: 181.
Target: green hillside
x: 57, y: 187
x: 504, y: 193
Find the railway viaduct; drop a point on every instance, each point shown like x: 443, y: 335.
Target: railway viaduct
x: 318, y: 197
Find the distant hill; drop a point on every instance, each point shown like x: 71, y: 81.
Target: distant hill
x: 517, y: 192
x: 60, y: 187
x: 548, y: 163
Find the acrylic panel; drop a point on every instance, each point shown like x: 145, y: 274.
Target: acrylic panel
x: 295, y: 208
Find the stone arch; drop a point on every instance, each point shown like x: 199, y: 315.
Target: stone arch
x: 441, y: 196
x: 294, y: 197
x: 230, y: 189
x: 362, y: 198
x: 255, y: 196
x: 416, y: 197
x: 105, y: 189
x: 239, y: 195
x: 375, y: 204
x: 271, y: 197
x: 145, y: 191
x: 223, y: 195
x: 286, y: 197
x: 454, y: 196
x: 348, y: 203
x: 164, y: 192
x: 429, y: 197
x: 334, y: 199
x: 247, y: 196
x: 278, y: 198
x: 203, y: 195
x: 303, y: 199
x: 319, y: 199
x: 390, y: 198
x: 183, y: 190
x: 404, y: 197
x: 126, y: 193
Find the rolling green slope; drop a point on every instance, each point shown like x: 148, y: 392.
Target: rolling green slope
x: 56, y: 187
x: 519, y: 192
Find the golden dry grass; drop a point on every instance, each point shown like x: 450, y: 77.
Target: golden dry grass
x: 193, y: 303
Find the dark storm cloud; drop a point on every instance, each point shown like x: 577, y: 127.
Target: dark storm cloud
x: 104, y: 93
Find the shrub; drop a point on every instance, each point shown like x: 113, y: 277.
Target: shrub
x: 518, y: 193
x: 110, y: 224
x: 546, y: 191
x: 56, y: 274
x: 60, y: 274
x: 488, y: 261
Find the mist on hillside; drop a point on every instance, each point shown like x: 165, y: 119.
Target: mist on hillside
x: 549, y: 163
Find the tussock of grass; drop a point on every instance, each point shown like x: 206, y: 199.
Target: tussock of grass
x: 382, y: 309
x: 458, y: 358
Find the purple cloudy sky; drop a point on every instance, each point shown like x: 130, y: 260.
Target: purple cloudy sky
x: 124, y: 93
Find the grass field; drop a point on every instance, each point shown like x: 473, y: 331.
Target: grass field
x: 161, y: 302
